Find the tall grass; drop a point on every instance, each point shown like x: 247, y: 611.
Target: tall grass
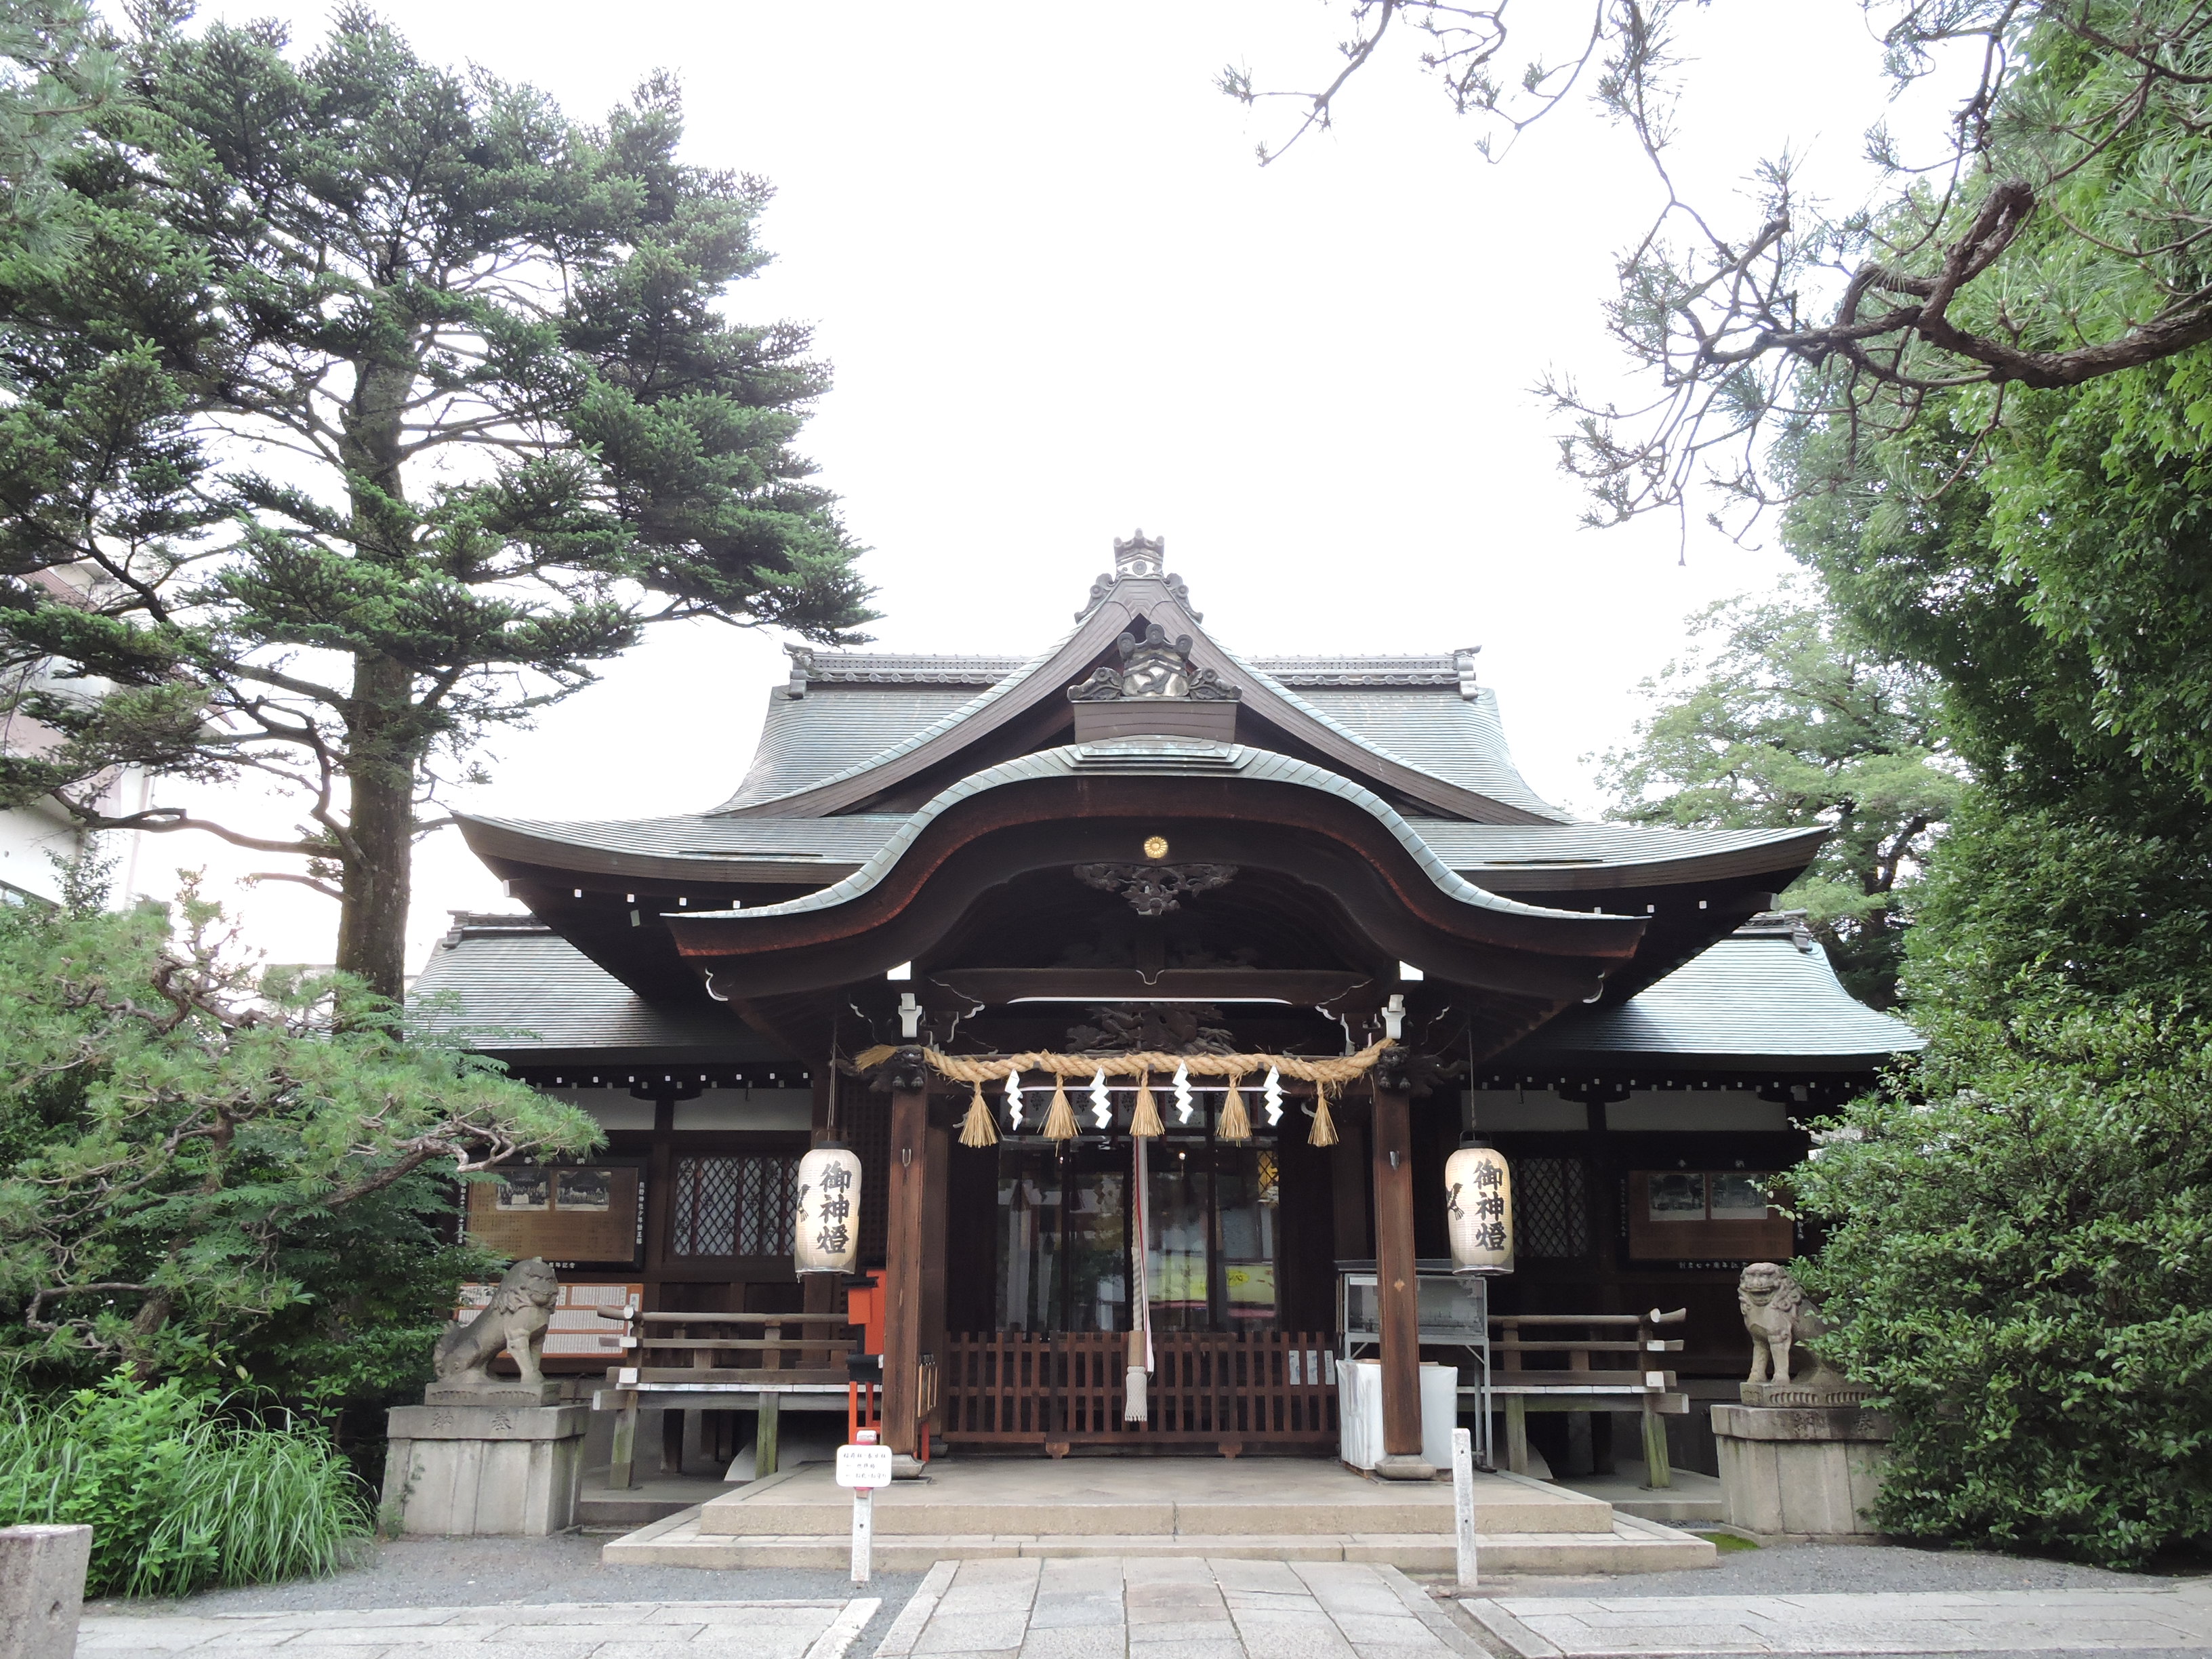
x: 179, y: 1494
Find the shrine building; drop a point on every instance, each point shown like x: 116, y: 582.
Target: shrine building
x: 1317, y: 896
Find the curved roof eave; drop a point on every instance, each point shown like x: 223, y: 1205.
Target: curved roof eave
x: 1144, y: 756
x: 1100, y: 623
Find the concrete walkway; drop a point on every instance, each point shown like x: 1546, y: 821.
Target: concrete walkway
x: 2082, y: 1621
x: 582, y: 1630
x: 1150, y: 1607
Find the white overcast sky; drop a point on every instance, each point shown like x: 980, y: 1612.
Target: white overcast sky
x: 1063, y: 301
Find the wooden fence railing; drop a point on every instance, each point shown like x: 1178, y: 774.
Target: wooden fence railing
x: 1261, y: 1389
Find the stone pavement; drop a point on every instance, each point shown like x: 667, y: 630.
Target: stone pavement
x: 2076, y: 1621
x: 1165, y: 1608
x: 582, y: 1630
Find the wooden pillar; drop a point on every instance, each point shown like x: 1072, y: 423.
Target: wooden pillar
x: 931, y: 1341
x: 1397, y: 1288
x: 902, y: 1249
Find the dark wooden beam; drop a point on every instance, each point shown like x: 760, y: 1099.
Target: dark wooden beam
x: 1303, y: 988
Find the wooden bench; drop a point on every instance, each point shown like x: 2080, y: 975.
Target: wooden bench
x: 702, y: 1381
x: 1581, y: 1385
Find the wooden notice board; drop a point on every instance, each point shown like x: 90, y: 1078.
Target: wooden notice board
x: 567, y: 1215
x: 1693, y: 1215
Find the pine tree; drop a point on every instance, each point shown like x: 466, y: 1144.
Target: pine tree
x: 378, y: 403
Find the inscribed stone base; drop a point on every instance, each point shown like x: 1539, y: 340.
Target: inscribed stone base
x: 501, y: 1471
x: 41, y: 1589
x: 1803, y: 1473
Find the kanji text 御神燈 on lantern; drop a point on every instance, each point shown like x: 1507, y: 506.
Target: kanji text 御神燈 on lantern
x: 1479, y: 1208
x: 827, y: 1236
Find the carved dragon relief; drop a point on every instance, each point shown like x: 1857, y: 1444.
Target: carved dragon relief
x: 1154, y: 890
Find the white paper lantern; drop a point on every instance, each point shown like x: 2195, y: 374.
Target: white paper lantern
x: 827, y: 1239
x: 1479, y: 1209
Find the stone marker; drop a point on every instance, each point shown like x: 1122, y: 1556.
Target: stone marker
x: 41, y: 1590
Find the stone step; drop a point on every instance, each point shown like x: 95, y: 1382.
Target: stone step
x: 1631, y: 1545
x: 1070, y: 1501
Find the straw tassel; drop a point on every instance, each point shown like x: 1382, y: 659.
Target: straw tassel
x: 1060, y: 1121
x: 1135, y: 1406
x: 1324, y: 1130
x: 1235, y: 1124
x: 1146, y: 1123
x: 976, y: 1129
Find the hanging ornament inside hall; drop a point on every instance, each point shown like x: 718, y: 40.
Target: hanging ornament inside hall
x: 826, y: 1236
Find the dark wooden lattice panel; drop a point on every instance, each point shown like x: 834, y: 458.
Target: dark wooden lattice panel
x: 734, y: 1205
x: 864, y: 1123
x: 767, y: 1204
x: 1551, y: 1208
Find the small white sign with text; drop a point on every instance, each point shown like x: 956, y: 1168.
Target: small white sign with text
x: 864, y: 1467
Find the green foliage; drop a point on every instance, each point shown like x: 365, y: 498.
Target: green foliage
x: 2019, y: 1233
x: 208, y: 1177
x: 52, y: 78
x: 377, y: 404
x: 1782, y: 722
x: 2020, y: 1259
x: 178, y: 1496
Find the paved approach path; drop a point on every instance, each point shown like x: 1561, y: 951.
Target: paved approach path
x: 2071, y: 1621
x: 606, y: 1630
x: 1171, y: 1607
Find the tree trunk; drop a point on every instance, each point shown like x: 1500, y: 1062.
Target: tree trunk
x: 377, y: 877
x: 384, y: 741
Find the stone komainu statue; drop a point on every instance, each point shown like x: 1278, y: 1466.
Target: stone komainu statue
x: 521, y: 1309
x: 1778, y: 1317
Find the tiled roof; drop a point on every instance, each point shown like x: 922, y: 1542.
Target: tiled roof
x: 1764, y: 993
x: 509, y: 985
x: 1458, y: 739
x: 847, y: 712
x: 837, y: 727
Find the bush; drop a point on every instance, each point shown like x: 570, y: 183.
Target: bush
x: 179, y: 1495
x: 2019, y: 1260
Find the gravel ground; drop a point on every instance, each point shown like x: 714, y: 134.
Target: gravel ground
x: 1805, y: 1569
x: 445, y: 1572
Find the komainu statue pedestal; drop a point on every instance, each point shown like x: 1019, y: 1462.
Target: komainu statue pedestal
x: 1801, y: 1458
x: 482, y: 1455
x: 483, y: 1463
x: 1807, y: 1474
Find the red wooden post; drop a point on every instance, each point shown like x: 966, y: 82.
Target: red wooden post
x: 1397, y: 1288
x: 902, y: 1249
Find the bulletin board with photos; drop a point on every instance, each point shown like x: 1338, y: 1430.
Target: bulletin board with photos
x: 570, y: 1215
x: 1676, y: 1215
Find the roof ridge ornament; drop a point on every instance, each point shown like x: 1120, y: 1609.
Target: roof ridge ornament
x: 1140, y: 558
x: 1140, y: 555
x: 802, y: 665
x: 1463, y: 665
x: 1154, y: 667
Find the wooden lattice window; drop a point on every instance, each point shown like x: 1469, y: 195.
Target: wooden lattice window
x: 1551, y: 1208
x: 734, y: 1206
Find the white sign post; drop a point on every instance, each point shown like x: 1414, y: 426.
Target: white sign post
x: 1464, y: 1504
x: 864, y: 1467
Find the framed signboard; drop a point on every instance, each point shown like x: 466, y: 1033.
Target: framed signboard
x: 568, y: 1215
x: 1680, y: 1215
